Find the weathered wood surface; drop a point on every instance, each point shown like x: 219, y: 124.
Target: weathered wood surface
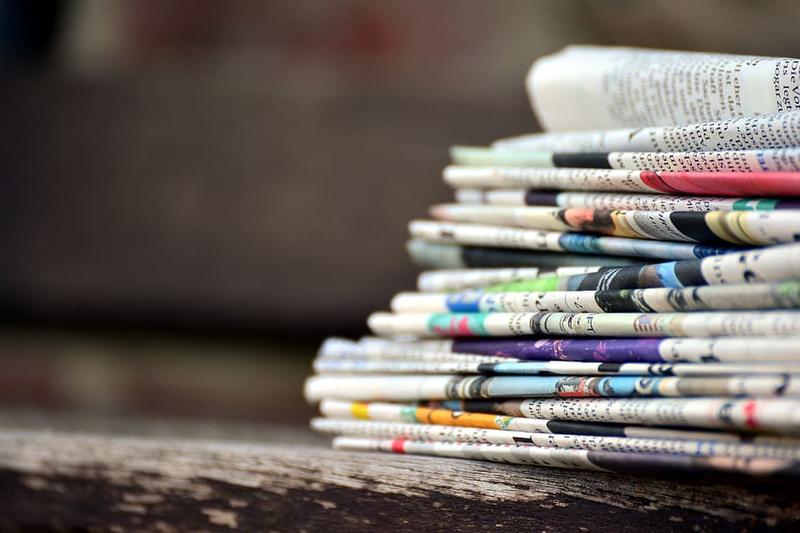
x: 64, y: 480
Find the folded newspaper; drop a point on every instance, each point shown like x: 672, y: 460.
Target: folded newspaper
x: 618, y: 293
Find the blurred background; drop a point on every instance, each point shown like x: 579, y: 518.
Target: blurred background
x: 196, y: 192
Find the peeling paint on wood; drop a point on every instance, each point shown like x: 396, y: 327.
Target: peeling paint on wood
x: 65, y: 480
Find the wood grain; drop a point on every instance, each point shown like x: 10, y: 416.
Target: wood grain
x: 67, y: 480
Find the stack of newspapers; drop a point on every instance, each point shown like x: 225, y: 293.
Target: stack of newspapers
x: 618, y: 293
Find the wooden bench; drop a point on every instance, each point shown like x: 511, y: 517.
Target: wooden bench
x: 140, y: 476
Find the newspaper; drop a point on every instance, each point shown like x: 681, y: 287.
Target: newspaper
x: 596, y: 87
x: 386, y: 387
x: 775, y: 415
x: 454, y: 256
x: 558, y: 241
x: 775, y: 263
x: 708, y: 324
x: 784, y: 295
x: 737, y: 227
x: 421, y: 414
x: 454, y: 279
x: 440, y: 433
x: 752, y: 350
x: 606, y: 200
x: 786, y: 160
x: 779, y: 184
x: 778, y: 130
x: 323, y: 365
x: 623, y: 462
